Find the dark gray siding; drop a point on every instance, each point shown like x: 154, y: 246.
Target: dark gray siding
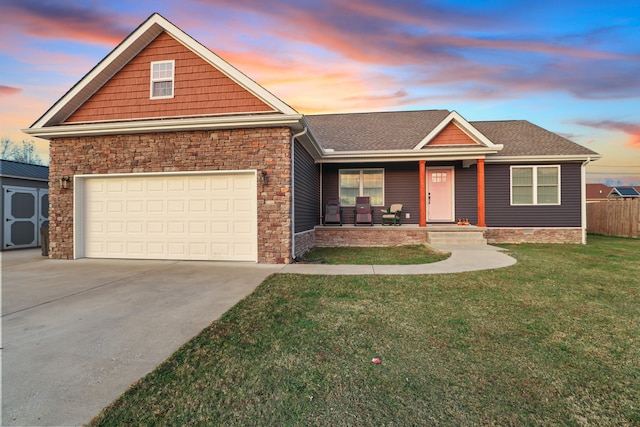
x: 466, y: 180
x: 500, y: 213
x: 307, y: 190
x: 401, y: 185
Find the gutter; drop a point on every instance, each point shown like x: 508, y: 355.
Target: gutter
x: 165, y: 125
x: 293, y: 192
x: 583, y: 198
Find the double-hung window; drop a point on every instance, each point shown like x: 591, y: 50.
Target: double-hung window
x: 162, y: 76
x: 361, y: 182
x: 535, y: 185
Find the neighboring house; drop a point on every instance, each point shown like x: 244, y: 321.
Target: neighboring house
x: 172, y: 153
x: 597, y: 193
x: 621, y: 193
x: 24, y: 203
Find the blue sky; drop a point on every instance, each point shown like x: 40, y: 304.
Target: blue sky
x: 572, y: 67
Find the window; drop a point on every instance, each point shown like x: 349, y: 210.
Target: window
x: 535, y: 185
x: 361, y: 182
x: 438, y: 177
x: 162, y: 79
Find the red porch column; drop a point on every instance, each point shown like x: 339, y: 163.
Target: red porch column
x: 481, y: 219
x: 423, y: 193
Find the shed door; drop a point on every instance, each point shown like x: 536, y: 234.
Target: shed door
x: 25, y: 210
x: 187, y: 217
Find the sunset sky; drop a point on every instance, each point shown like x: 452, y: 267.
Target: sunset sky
x: 572, y: 67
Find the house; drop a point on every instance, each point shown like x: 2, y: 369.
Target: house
x: 164, y: 150
x: 24, y: 203
x: 597, y: 193
x: 622, y: 193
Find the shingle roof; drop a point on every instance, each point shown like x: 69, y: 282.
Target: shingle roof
x: 374, y: 131
x: 597, y: 191
x: 523, y: 138
x: 403, y: 130
x: 13, y: 169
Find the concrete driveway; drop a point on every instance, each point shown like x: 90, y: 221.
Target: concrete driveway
x: 76, y: 334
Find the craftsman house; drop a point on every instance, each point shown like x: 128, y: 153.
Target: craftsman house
x: 165, y: 151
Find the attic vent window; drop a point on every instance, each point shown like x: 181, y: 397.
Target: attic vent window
x: 162, y: 79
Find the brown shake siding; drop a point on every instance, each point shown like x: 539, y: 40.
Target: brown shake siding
x: 239, y: 149
x: 200, y: 89
x: 500, y: 213
x: 451, y: 135
x: 466, y: 193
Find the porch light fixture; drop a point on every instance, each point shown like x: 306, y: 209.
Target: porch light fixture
x: 264, y: 177
x: 64, y: 182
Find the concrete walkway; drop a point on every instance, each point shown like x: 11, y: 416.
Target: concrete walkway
x: 463, y: 258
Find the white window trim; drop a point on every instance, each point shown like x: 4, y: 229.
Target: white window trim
x: 165, y: 79
x: 361, y: 170
x: 535, y: 185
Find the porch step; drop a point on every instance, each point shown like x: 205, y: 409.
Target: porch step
x: 456, y: 238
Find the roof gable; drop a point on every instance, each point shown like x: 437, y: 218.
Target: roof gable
x: 126, y: 51
x: 199, y: 89
x: 624, y: 192
x: 455, y: 119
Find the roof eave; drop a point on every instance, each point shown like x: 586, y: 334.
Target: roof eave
x: 407, y: 155
x: 293, y: 121
x: 544, y: 158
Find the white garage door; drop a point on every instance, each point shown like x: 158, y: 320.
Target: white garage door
x: 189, y: 217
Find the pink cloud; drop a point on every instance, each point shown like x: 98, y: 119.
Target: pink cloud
x: 631, y: 129
x: 8, y: 90
x: 61, y: 20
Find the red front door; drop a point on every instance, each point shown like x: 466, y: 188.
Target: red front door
x: 440, y: 195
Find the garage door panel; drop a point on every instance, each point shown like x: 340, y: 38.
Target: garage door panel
x: 204, y: 217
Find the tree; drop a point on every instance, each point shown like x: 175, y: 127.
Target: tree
x: 24, y: 152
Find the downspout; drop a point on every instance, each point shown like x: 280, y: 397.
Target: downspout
x: 583, y: 198
x: 293, y: 192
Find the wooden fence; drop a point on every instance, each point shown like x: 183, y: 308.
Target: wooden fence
x: 616, y: 218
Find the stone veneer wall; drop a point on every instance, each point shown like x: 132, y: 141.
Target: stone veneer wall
x: 261, y: 149
x: 533, y: 235
x: 305, y: 241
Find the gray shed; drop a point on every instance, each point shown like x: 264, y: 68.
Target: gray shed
x: 24, y: 203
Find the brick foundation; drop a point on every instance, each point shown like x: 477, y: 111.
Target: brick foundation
x: 533, y: 235
x: 305, y: 241
x: 239, y: 149
x: 369, y: 236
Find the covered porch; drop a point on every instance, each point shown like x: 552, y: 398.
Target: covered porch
x: 409, y: 234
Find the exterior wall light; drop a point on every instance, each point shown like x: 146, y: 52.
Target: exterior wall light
x: 64, y: 182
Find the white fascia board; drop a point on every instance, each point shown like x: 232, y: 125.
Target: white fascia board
x: 229, y: 70
x: 169, y: 125
x: 556, y: 158
x: 406, y: 155
x: 113, y: 58
x: 463, y: 125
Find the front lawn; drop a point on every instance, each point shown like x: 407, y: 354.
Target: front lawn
x: 552, y: 340
x: 396, y: 255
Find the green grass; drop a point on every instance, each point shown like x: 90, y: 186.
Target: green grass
x: 397, y: 255
x: 552, y: 340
